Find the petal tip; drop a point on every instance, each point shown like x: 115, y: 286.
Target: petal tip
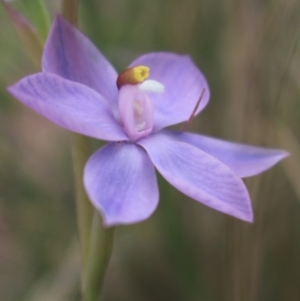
x: 244, y: 214
x: 249, y: 218
x: 59, y: 18
x: 106, y: 221
x: 9, y: 89
x: 283, y: 154
x: 278, y: 156
x: 112, y: 221
x: 12, y: 89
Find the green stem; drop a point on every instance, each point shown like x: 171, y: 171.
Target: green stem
x: 80, y: 154
x: 95, y: 240
x: 101, y: 244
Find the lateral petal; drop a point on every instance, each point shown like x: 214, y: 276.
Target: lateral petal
x: 183, y: 84
x: 73, y: 56
x: 70, y: 105
x: 244, y: 160
x: 121, y: 182
x: 199, y: 175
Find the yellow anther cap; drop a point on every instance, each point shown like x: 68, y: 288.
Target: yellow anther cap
x: 133, y: 76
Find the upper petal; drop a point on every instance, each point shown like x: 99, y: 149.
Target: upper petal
x: 183, y: 83
x: 244, y: 160
x: 71, y: 105
x: 121, y: 182
x: 72, y: 55
x: 199, y: 175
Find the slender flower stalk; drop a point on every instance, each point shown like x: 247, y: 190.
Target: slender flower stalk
x: 80, y: 153
x: 95, y: 240
x: 101, y: 244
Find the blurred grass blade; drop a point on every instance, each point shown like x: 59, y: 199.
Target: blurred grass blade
x: 39, y: 16
x: 61, y: 282
x: 27, y: 33
x: 70, y: 10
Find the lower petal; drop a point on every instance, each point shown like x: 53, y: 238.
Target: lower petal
x: 121, y: 182
x: 244, y: 160
x: 199, y: 175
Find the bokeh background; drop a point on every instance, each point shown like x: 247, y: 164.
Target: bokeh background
x: 249, y: 51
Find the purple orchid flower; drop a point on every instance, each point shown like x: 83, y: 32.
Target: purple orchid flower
x: 77, y: 90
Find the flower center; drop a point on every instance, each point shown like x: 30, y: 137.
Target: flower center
x: 138, y: 112
x: 135, y: 105
x: 133, y: 76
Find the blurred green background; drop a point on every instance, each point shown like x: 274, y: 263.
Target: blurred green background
x: 249, y: 51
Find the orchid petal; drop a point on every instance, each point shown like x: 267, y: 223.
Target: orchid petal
x: 183, y: 83
x: 68, y: 104
x: 120, y: 181
x: 244, y: 160
x: 199, y: 175
x: 72, y: 55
